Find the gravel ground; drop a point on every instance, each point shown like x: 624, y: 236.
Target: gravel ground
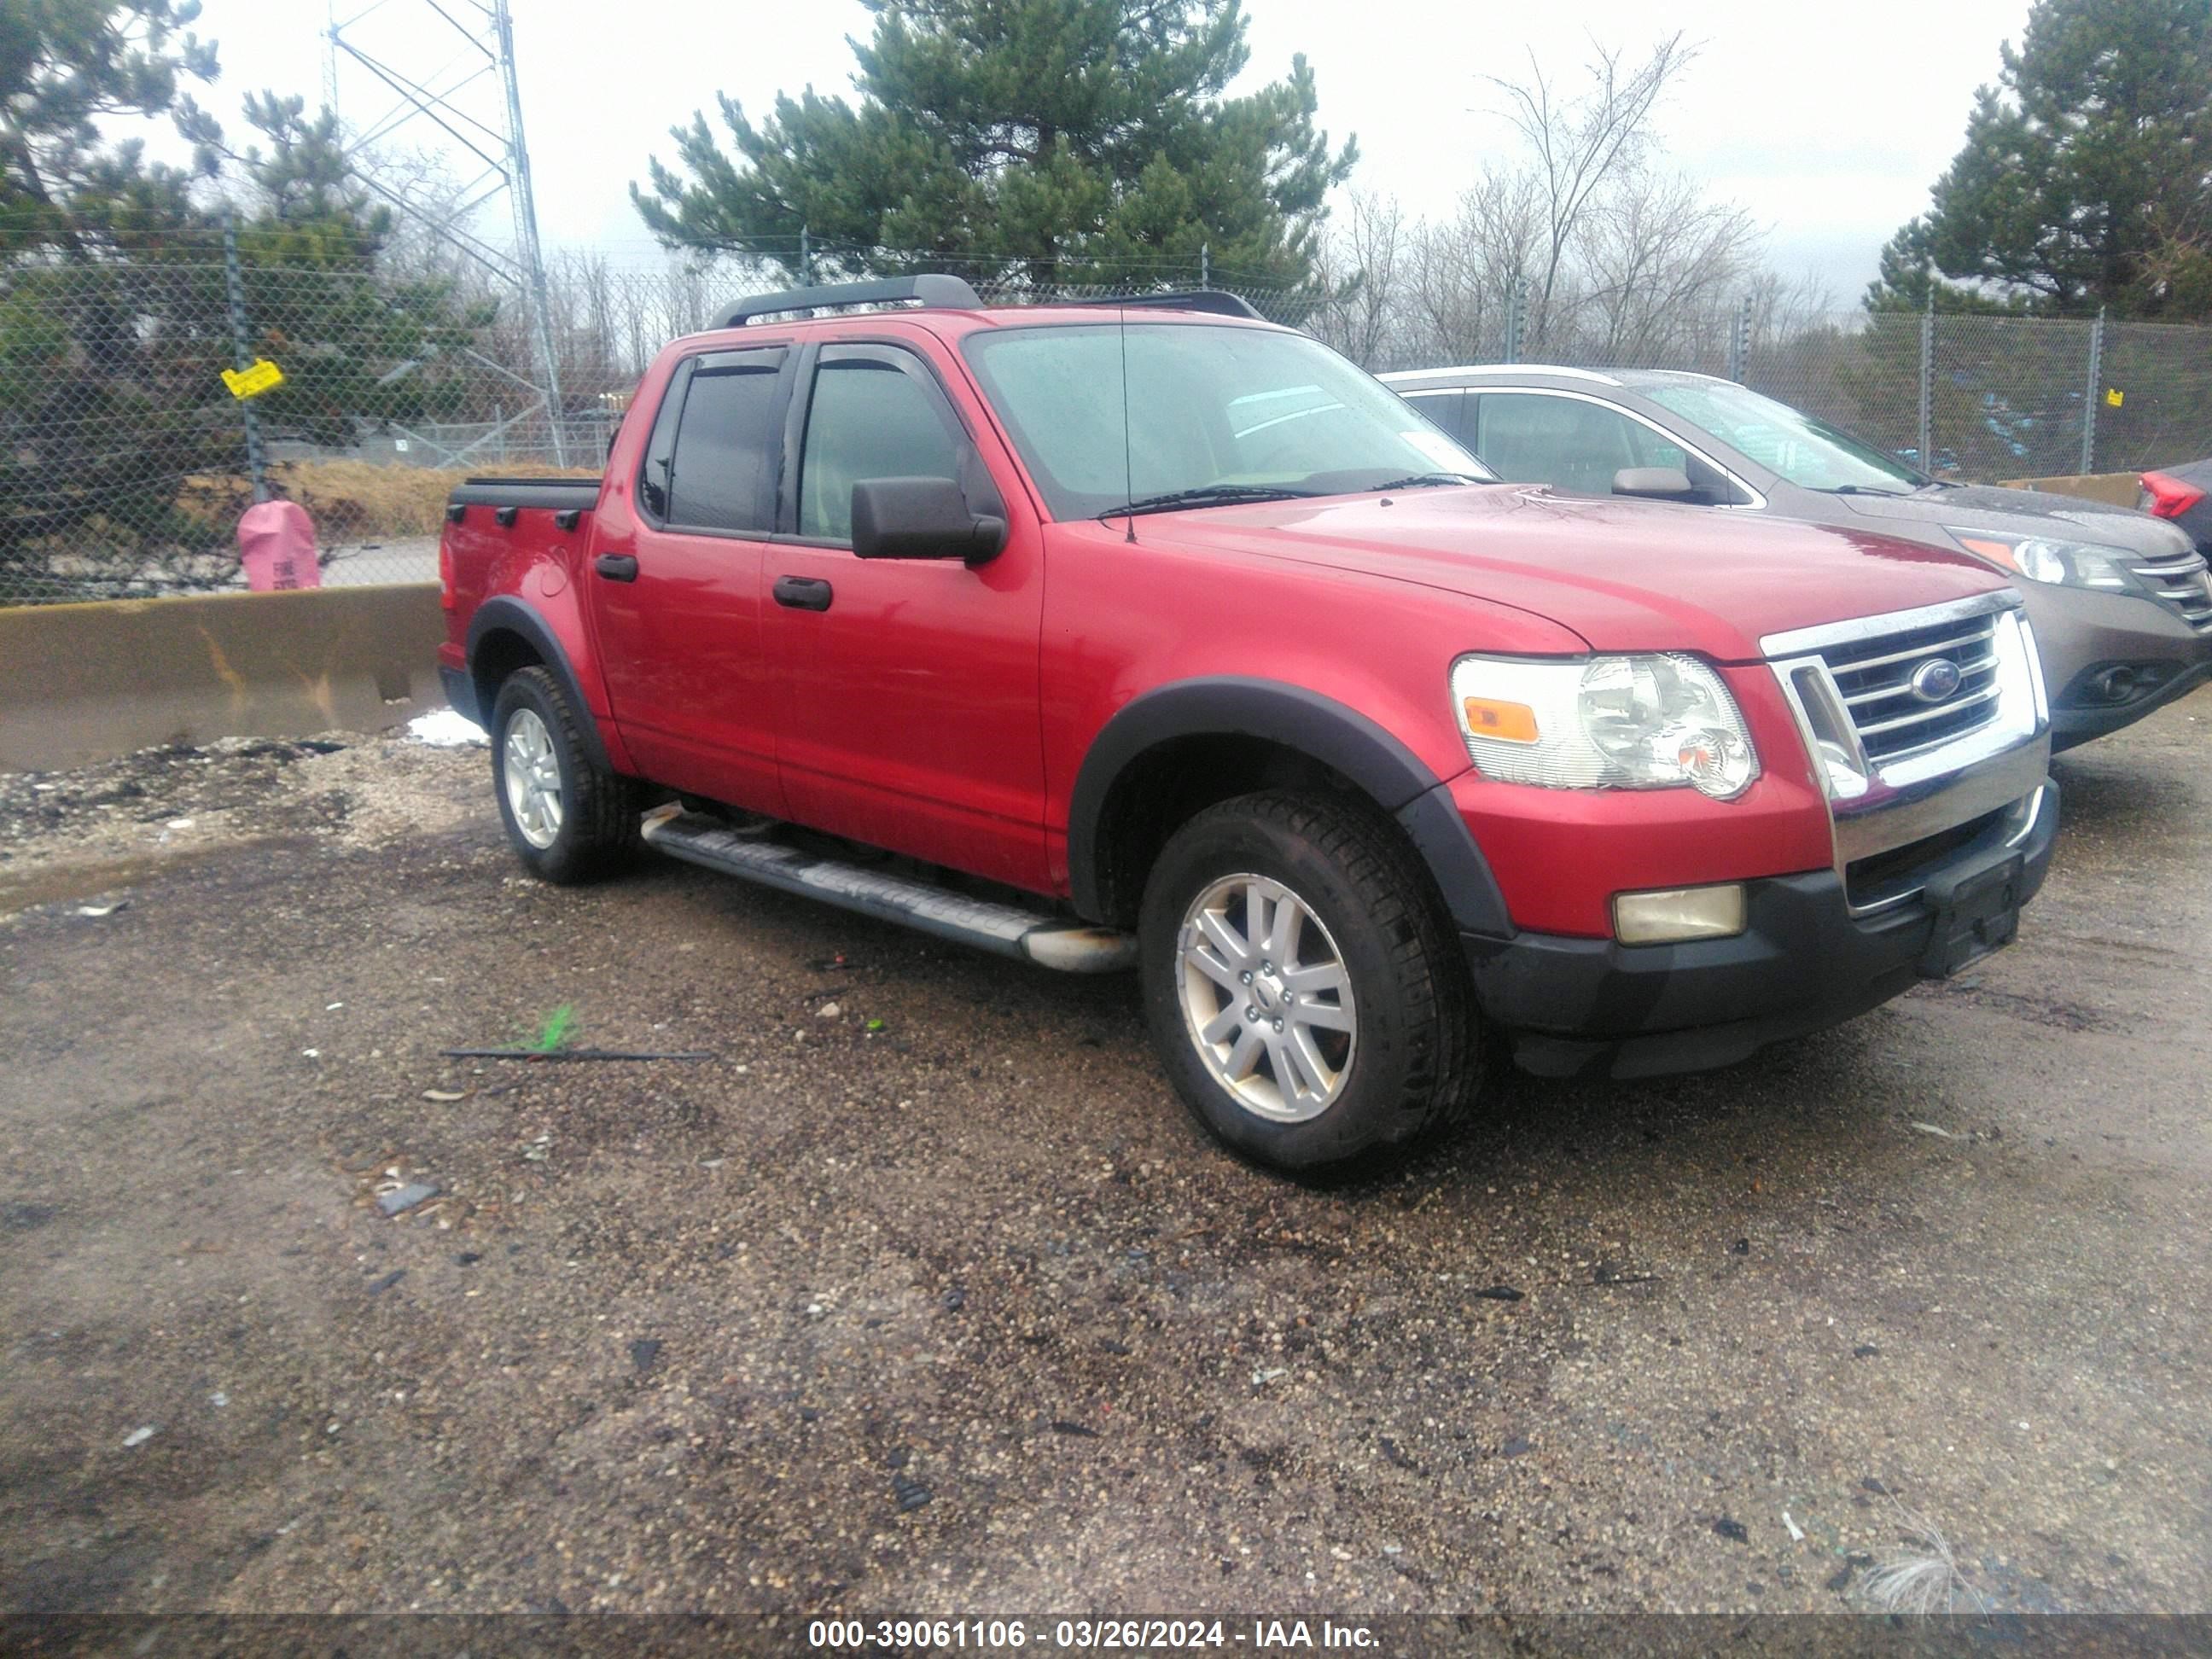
x: 923, y: 1296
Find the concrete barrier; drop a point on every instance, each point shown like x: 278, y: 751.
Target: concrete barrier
x: 85, y: 682
x: 2116, y: 488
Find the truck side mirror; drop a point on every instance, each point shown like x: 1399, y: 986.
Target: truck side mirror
x: 1658, y: 484
x: 921, y: 518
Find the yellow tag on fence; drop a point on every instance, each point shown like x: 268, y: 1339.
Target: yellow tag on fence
x: 243, y: 383
x: 2112, y: 396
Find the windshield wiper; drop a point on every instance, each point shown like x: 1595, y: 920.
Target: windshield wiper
x: 1426, y: 480
x: 1865, y: 489
x: 1207, y: 496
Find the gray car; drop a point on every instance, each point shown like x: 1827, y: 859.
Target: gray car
x: 2120, y: 601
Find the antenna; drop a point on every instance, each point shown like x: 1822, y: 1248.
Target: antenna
x: 1128, y: 460
x: 475, y: 98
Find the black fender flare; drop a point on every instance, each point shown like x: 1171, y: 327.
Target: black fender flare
x: 1341, y: 738
x: 509, y: 614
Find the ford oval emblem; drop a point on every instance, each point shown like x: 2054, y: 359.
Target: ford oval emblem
x: 1935, y: 679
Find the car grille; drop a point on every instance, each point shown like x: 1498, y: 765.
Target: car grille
x: 1876, y: 679
x: 2180, y: 582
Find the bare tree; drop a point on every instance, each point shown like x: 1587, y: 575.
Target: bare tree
x: 1364, y: 258
x: 1790, y: 308
x: 1661, y: 267
x: 1615, y: 258
x: 432, y: 217
x: 1464, y: 270
x: 1581, y: 144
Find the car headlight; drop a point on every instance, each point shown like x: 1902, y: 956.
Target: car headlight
x: 1644, y: 722
x: 2068, y: 565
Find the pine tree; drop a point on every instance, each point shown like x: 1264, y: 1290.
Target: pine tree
x: 2085, y: 178
x: 116, y: 429
x: 66, y: 65
x: 1049, y: 141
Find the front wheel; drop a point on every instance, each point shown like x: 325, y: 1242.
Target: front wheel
x: 1305, y: 995
x: 567, y: 818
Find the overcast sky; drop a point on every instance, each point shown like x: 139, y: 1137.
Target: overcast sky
x: 1828, y: 125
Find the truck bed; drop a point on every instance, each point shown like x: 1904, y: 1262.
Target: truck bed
x: 495, y: 530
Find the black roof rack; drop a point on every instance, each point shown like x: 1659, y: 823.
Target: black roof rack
x: 1189, y: 299
x: 954, y: 293
x: 950, y: 292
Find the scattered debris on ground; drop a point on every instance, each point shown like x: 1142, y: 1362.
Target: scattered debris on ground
x: 90, y: 838
x: 406, y: 1196
x: 923, y: 1304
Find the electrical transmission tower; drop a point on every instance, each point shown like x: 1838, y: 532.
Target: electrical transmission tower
x: 472, y: 95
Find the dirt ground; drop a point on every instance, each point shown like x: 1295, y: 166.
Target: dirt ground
x: 922, y: 1295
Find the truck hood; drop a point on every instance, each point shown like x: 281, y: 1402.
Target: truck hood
x: 2016, y: 513
x: 1625, y: 575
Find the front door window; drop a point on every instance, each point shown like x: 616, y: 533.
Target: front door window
x: 1530, y: 437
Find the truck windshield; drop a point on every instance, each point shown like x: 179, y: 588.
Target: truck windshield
x: 1803, y: 449
x: 1230, y: 413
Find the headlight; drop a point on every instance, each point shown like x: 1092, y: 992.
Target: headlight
x: 1656, y: 722
x: 2069, y: 564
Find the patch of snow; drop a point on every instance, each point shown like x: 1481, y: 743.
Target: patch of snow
x: 446, y: 728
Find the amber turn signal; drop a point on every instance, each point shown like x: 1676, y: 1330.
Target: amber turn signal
x: 1509, y: 722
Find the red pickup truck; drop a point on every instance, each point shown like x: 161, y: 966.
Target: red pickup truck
x: 1157, y: 636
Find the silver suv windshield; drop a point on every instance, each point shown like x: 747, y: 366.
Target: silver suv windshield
x: 1804, y: 449
x: 1215, y: 414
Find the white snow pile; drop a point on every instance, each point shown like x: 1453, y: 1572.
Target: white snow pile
x: 445, y: 729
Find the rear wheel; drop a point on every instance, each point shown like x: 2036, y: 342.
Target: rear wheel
x: 1303, y: 993
x: 568, y: 819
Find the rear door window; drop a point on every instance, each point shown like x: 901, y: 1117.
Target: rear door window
x: 720, y: 475
x: 1531, y: 437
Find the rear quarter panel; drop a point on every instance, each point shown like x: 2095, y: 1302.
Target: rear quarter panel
x: 539, y: 564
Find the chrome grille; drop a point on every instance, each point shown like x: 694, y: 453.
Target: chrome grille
x: 1875, y: 676
x: 2180, y: 582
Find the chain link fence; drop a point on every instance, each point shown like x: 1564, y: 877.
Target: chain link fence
x: 1984, y: 399
x: 124, y: 456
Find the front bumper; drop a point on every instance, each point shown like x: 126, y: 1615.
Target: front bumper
x: 1588, y: 1007
x: 2083, y: 636
x: 2079, y: 713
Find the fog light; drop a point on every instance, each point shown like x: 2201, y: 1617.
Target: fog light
x: 1679, y: 913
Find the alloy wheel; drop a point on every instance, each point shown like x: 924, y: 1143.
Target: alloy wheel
x: 532, y: 774
x: 1266, y: 998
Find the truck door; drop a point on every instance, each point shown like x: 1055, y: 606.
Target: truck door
x: 906, y: 690
x: 676, y: 599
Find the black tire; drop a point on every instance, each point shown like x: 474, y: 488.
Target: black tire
x: 598, y: 829
x: 1416, y: 1061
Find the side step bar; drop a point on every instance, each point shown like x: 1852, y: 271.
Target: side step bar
x: 1004, y: 929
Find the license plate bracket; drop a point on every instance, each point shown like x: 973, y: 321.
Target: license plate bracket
x: 1976, y: 911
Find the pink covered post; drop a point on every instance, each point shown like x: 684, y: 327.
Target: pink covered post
x: 277, y: 544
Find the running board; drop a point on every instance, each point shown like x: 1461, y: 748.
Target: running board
x: 1004, y: 929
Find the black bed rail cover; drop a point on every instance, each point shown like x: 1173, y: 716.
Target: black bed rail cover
x: 553, y: 494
